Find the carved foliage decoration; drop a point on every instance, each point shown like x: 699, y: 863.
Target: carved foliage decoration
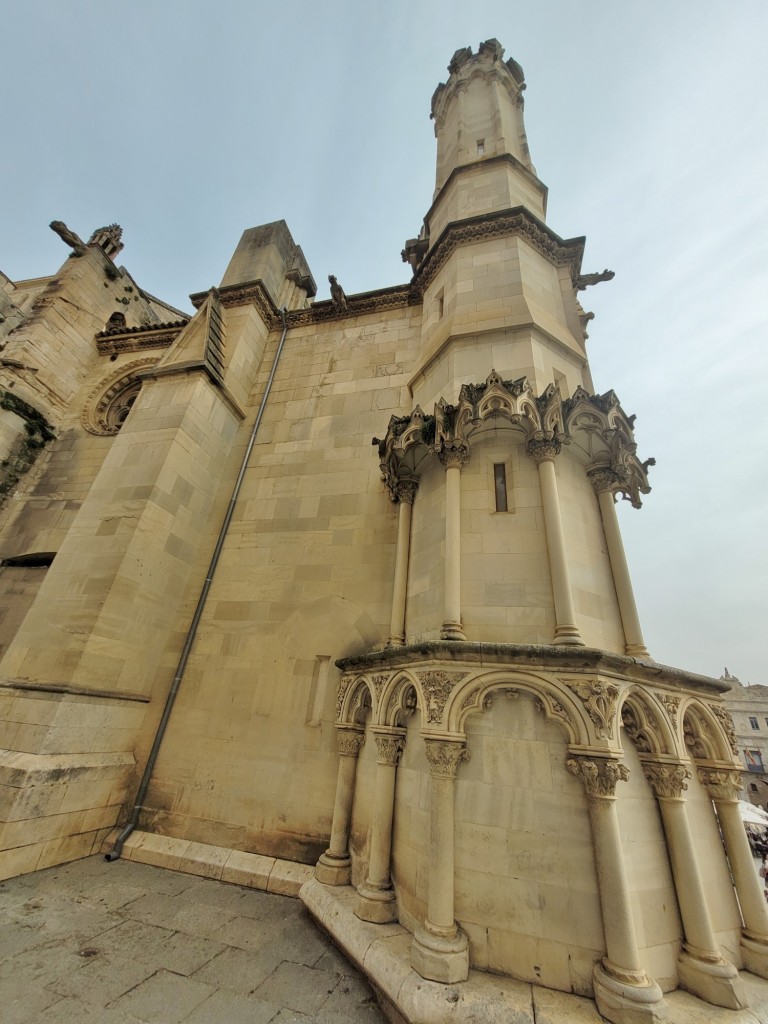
x: 350, y: 741
x: 599, y: 700
x: 667, y: 780
x: 341, y: 693
x: 672, y: 705
x: 634, y: 729
x: 437, y: 688
x: 599, y: 775
x: 389, y: 748
x: 726, y: 721
x: 697, y: 734
x: 444, y: 757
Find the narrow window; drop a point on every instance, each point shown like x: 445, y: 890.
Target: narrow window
x: 754, y: 723
x: 318, y: 690
x: 480, y: 147
x: 500, y: 486
x: 440, y: 304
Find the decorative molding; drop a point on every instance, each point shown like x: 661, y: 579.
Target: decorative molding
x: 453, y: 454
x: 725, y: 719
x: 437, y: 688
x: 634, y: 730
x: 389, y: 748
x: 445, y: 756
x: 350, y: 741
x: 112, y: 342
x: 599, y: 775
x: 721, y: 783
x: 599, y: 701
x: 341, y: 693
x: 543, y: 448
x: 109, y: 402
x: 667, y: 780
x: 405, y: 491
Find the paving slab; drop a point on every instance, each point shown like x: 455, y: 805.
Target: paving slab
x: 131, y: 943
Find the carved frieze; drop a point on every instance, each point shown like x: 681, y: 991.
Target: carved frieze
x: 350, y: 741
x: 389, y: 748
x: 599, y: 701
x: 599, y: 775
x: 666, y: 780
x: 437, y: 688
x: 721, y: 783
x: 445, y: 756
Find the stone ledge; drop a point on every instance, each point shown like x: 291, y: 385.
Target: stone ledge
x: 382, y: 952
x: 271, y: 874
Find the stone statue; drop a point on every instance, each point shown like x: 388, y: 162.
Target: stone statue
x: 585, y: 280
x: 74, y: 241
x: 338, y: 298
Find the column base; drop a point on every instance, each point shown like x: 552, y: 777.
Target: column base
x: 627, y: 998
x: 396, y: 641
x: 452, y: 631
x: 755, y: 953
x: 637, y: 651
x: 442, y: 958
x: 333, y: 870
x: 568, y: 635
x: 714, y: 982
x: 379, y: 906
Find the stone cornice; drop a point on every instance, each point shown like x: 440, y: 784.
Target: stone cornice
x: 399, y: 296
x: 242, y: 294
x: 543, y: 656
x: 135, y: 339
x: 516, y: 221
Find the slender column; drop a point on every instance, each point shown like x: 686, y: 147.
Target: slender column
x: 724, y: 786
x: 461, y: 142
x: 453, y: 457
x: 334, y: 866
x: 604, y: 481
x: 543, y: 453
x: 701, y: 968
x: 440, y: 950
x: 623, y: 991
x: 406, y: 492
x: 376, y: 899
x: 501, y: 142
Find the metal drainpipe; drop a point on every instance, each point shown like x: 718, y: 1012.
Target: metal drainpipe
x: 114, y: 853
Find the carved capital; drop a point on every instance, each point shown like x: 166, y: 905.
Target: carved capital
x: 453, y: 454
x: 389, y: 748
x: 405, y: 491
x: 721, y: 783
x: 350, y: 741
x: 546, y: 445
x: 666, y: 780
x: 445, y: 756
x: 604, y: 478
x: 599, y: 775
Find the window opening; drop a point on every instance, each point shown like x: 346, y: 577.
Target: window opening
x: 754, y: 723
x: 480, y: 147
x: 500, y: 486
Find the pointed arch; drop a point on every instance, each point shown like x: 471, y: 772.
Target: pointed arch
x: 702, y: 735
x: 646, y: 724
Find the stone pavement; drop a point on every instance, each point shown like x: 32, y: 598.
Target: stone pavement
x: 126, y: 943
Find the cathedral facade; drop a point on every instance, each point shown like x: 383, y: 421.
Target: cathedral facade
x: 341, y: 583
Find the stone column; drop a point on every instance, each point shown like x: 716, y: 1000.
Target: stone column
x: 701, y: 968
x: 440, y: 949
x: 461, y: 130
x: 334, y: 866
x: 724, y: 786
x: 501, y: 142
x: 406, y: 492
x: 376, y: 899
x: 543, y: 453
x: 453, y: 457
x: 623, y: 991
x: 604, y: 481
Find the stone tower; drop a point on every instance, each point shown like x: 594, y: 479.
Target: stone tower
x: 265, y: 650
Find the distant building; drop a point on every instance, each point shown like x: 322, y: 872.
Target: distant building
x: 748, y: 706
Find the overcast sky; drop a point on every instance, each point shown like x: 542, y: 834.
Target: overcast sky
x: 187, y: 122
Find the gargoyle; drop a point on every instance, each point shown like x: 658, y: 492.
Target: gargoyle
x: 76, y: 244
x: 338, y: 298
x: 585, y: 280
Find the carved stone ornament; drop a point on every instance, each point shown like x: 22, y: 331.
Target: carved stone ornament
x: 453, y: 455
x: 108, y: 405
x: 437, y: 688
x: 405, y: 491
x: 726, y: 721
x: 721, y: 783
x: 603, y: 478
x: 350, y: 741
x: 344, y: 685
x: 599, y: 775
x: 377, y: 682
x: 389, y: 748
x: 666, y: 780
x: 546, y: 445
x: 75, y: 242
x: 445, y: 757
x: 338, y: 298
x: 634, y: 731
x: 585, y: 280
x: 600, y: 703
x: 672, y: 705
